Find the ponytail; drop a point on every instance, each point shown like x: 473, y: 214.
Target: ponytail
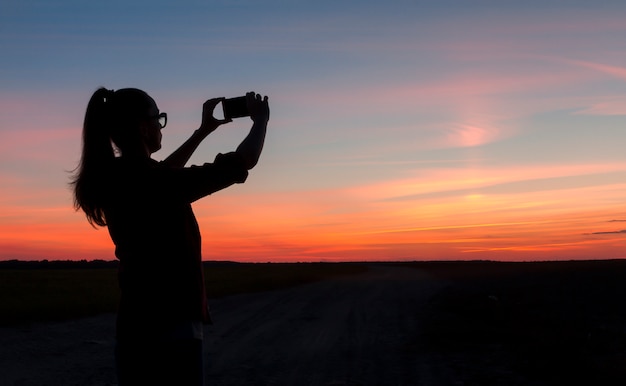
x: 97, y: 156
x: 97, y: 150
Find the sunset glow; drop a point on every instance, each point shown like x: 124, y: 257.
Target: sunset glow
x: 408, y: 132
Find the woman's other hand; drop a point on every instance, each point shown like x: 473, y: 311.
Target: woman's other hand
x: 209, y: 122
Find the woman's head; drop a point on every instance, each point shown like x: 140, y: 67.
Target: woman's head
x: 132, y: 117
x: 127, y: 118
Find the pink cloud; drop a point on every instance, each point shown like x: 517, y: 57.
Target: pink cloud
x: 468, y: 136
x: 475, y: 175
x: 614, y: 71
x: 41, y: 139
x: 606, y: 106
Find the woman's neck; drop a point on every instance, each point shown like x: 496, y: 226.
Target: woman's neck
x: 137, y: 155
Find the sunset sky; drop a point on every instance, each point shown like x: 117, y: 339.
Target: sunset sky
x: 400, y: 130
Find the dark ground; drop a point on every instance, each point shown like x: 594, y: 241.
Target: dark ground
x: 458, y: 323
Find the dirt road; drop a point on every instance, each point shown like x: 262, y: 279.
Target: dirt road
x: 354, y: 330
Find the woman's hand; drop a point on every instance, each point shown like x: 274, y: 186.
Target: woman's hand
x: 209, y: 122
x: 258, y: 107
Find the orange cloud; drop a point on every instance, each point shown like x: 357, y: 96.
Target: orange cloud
x: 343, y: 225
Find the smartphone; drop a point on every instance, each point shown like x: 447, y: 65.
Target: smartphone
x: 235, y: 107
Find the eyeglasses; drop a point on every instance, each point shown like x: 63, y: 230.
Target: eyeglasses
x: 162, y: 117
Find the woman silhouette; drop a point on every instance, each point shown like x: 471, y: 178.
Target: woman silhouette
x: 146, y: 206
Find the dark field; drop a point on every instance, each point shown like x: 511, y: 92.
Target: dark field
x: 551, y: 323
x: 55, y: 291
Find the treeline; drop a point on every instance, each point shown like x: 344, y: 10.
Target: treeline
x: 66, y: 264
x: 57, y: 264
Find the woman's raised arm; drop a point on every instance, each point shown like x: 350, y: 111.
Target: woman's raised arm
x: 180, y: 156
x: 251, y: 147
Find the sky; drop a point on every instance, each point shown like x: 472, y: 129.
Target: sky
x: 399, y: 130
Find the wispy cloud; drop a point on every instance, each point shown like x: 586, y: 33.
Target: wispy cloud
x: 623, y: 231
x: 494, y: 179
x: 609, y: 232
x: 606, y: 106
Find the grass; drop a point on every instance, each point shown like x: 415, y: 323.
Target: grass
x: 37, y: 295
x: 41, y: 294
